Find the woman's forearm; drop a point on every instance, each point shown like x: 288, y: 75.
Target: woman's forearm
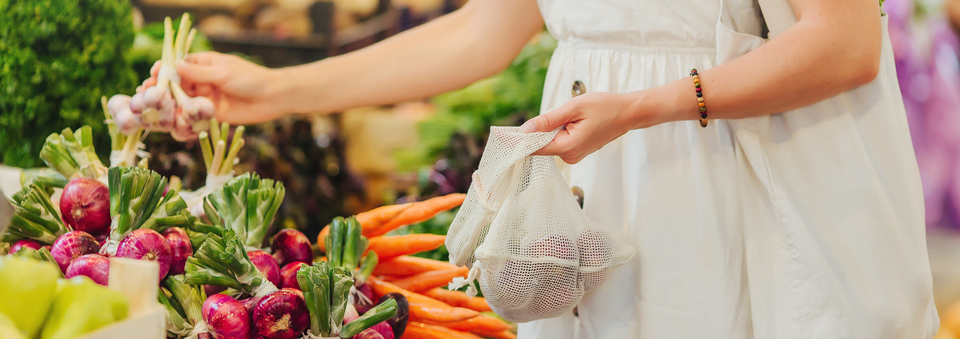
x: 834, y: 47
x: 453, y: 51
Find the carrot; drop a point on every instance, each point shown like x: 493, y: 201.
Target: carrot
x: 459, y: 299
x: 392, y: 247
x: 403, y: 266
x: 369, y: 220
x: 499, y: 335
x: 424, y: 308
x: 430, y: 279
x: 417, y: 330
x: 480, y: 325
x: 420, y: 211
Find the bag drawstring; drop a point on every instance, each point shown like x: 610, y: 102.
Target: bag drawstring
x: 460, y: 282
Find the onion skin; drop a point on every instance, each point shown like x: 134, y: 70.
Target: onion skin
x: 281, y: 315
x: 250, y: 303
x: 146, y: 244
x: 24, y: 243
x: 294, y: 291
x: 226, y: 317
x: 362, y: 306
x: 71, y: 246
x: 93, y: 266
x: 266, y: 265
x: 378, y: 331
x: 290, y: 245
x: 288, y: 275
x: 180, y: 248
x: 213, y: 289
x: 85, y: 206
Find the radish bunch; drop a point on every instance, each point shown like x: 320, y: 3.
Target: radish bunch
x: 165, y: 107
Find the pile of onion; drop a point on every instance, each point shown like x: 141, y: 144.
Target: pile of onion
x: 71, y: 246
x: 226, y: 317
x: 266, y: 265
x: 288, y: 275
x: 281, y: 315
x: 180, y: 248
x: 290, y: 245
x: 93, y: 266
x: 25, y: 243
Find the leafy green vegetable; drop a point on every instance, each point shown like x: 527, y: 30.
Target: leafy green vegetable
x: 223, y: 261
x: 325, y: 290
x: 246, y: 205
x: 57, y: 58
x: 135, y: 194
x: 72, y: 154
x: 35, y: 217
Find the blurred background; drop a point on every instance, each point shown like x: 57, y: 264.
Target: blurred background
x: 347, y: 162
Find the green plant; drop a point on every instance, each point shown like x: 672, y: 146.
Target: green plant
x: 57, y: 58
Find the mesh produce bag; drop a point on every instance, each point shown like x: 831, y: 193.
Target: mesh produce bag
x: 521, y: 231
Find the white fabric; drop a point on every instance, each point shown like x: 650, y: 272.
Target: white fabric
x: 803, y: 224
x: 532, y: 249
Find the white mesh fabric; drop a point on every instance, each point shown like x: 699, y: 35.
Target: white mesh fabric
x: 538, y: 253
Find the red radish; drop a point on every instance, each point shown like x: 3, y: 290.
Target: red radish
x: 71, y: 246
x: 226, y: 317
x: 266, y: 265
x: 146, y: 244
x: 93, y: 266
x: 24, y: 243
x: 180, y: 248
x: 290, y: 245
x: 85, y: 206
x: 281, y: 315
x: 288, y: 275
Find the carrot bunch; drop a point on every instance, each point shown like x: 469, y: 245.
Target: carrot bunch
x: 434, y: 311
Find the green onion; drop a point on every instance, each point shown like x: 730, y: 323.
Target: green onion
x: 42, y: 254
x: 246, y: 205
x: 354, y: 244
x: 176, y: 324
x: 135, y: 194
x: 375, y: 315
x: 72, y: 154
x: 35, y: 216
x: 223, y: 261
x: 370, y: 262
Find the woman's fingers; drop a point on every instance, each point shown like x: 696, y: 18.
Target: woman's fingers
x: 552, y: 120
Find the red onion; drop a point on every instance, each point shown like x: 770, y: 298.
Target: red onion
x: 288, y: 275
x: 250, y: 303
x: 85, y: 206
x: 266, y: 265
x: 364, y: 299
x: 290, y: 245
x: 24, y: 243
x: 146, y: 244
x: 226, y: 317
x: 281, y: 315
x: 294, y: 291
x: 180, y: 248
x: 93, y: 266
x: 72, y: 245
x: 381, y: 330
x: 213, y: 289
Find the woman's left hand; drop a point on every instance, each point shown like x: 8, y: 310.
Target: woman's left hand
x: 592, y: 120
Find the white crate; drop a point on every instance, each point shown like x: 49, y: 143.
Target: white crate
x: 138, y: 280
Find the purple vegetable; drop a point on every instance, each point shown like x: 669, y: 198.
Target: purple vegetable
x: 226, y: 317
x: 71, y: 246
x: 93, y: 266
x: 378, y: 331
x: 85, y: 206
x: 399, y: 321
x: 24, y: 243
x: 288, y: 275
x: 281, y: 315
x: 213, y: 289
x: 180, y: 248
x: 146, y: 244
x: 251, y: 303
x: 364, y: 299
x: 266, y: 265
x: 290, y: 245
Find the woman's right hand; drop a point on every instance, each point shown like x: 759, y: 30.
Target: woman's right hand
x: 243, y: 92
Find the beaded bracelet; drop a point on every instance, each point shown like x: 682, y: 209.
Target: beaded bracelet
x: 703, y: 106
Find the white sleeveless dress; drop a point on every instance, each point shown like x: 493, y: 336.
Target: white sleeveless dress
x: 803, y: 224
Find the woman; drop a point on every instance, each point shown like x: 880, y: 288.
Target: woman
x: 801, y: 224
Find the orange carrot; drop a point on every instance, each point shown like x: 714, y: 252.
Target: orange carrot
x: 417, y: 330
x: 459, y: 299
x: 392, y: 247
x: 420, y: 211
x: 498, y: 335
x: 424, y: 308
x: 369, y: 220
x: 480, y: 325
x: 403, y: 266
x: 431, y: 279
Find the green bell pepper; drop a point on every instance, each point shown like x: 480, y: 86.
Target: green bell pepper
x: 27, y: 289
x: 82, y: 306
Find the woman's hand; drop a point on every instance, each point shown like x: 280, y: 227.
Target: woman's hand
x: 243, y: 92
x: 591, y: 121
